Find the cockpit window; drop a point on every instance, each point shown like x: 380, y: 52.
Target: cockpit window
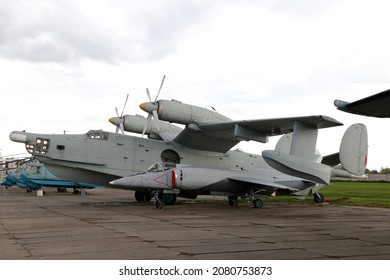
x: 155, y: 168
x: 161, y: 166
x: 33, y: 169
x: 97, y: 134
x: 40, y: 147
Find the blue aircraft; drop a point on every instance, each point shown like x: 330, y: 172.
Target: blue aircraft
x: 34, y: 175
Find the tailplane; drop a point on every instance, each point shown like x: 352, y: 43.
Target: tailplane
x: 296, y: 154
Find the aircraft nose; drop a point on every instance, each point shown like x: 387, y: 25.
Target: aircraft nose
x: 148, y: 107
x: 132, y: 181
x: 18, y: 136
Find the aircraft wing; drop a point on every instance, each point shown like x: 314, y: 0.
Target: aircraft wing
x: 61, y: 183
x: 331, y: 160
x: 261, y: 183
x: 222, y: 136
x: 376, y: 105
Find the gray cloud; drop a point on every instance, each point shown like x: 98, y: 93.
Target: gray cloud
x: 63, y: 31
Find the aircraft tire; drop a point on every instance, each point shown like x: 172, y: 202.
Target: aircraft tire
x: 142, y: 196
x: 319, y: 198
x: 258, y: 203
x: 232, y: 200
x: 169, y: 198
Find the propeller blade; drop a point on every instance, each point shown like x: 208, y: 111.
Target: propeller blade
x: 124, y: 106
x: 148, y: 94
x: 151, y: 108
x: 146, y: 124
x: 162, y: 82
x: 119, y: 120
x: 155, y: 118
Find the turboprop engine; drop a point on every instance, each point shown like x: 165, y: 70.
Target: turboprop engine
x: 177, y: 112
x: 139, y: 124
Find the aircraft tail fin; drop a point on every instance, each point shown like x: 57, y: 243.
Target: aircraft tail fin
x: 296, y: 155
x: 354, y: 149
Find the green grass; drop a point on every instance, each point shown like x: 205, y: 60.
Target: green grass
x: 369, y: 194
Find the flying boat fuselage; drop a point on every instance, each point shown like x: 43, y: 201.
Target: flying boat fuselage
x: 99, y: 157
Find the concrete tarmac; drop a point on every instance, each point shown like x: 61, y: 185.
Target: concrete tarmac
x: 110, y: 224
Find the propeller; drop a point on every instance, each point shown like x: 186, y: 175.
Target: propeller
x: 119, y: 120
x: 151, y: 107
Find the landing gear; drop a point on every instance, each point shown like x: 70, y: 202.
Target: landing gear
x: 318, y: 197
x: 258, y: 203
x: 142, y: 196
x: 160, y: 204
x: 159, y: 196
x: 61, y: 190
x: 164, y: 198
x: 256, y: 199
x: 233, y: 200
x: 169, y: 198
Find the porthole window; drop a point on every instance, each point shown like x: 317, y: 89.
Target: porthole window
x: 170, y: 156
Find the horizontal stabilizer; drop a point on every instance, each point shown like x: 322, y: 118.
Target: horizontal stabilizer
x: 300, y: 162
x: 298, y: 167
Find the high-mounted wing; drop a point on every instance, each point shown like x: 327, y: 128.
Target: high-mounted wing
x: 377, y: 105
x: 222, y: 136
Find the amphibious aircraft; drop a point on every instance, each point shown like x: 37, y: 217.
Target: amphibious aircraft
x: 377, y: 105
x: 99, y: 157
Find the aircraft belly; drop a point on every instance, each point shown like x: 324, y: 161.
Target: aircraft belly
x: 223, y: 186
x: 73, y: 173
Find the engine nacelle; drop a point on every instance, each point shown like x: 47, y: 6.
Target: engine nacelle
x: 137, y: 123
x: 177, y: 112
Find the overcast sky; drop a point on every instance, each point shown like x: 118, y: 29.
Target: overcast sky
x: 66, y: 65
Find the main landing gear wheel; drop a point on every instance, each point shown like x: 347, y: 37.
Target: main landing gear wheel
x: 233, y: 200
x: 61, y: 190
x: 258, y: 203
x: 142, y: 196
x: 169, y: 198
x: 319, y: 198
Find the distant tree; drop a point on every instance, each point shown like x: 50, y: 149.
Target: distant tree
x: 385, y: 170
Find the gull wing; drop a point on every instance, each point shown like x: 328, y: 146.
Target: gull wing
x: 222, y: 136
x: 376, y: 105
